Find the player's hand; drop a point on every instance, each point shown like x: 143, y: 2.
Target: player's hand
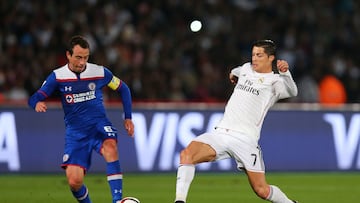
x: 129, y: 127
x: 40, y: 107
x: 282, y: 66
x: 233, y: 78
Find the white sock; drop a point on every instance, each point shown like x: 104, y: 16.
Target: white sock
x: 277, y: 196
x: 185, y: 175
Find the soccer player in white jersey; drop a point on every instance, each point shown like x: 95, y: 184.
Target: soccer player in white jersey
x: 87, y: 127
x: 258, y: 85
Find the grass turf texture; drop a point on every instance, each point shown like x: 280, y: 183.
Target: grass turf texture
x: 206, y: 187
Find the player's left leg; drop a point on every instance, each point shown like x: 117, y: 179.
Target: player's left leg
x: 265, y: 191
x: 114, y: 174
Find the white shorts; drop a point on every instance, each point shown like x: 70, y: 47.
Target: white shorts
x: 230, y: 144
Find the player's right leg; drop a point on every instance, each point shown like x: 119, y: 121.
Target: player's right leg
x: 75, y: 177
x: 194, y: 153
x: 76, y: 160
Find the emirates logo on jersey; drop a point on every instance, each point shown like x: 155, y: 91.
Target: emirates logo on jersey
x: 247, y: 86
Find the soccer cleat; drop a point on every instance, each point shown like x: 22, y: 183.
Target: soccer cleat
x: 295, y: 201
x: 179, y: 202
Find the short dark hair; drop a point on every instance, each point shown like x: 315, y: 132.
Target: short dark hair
x: 268, y: 45
x: 270, y: 49
x: 77, y: 40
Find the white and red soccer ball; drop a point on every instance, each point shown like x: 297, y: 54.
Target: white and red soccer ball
x: 129, y: 200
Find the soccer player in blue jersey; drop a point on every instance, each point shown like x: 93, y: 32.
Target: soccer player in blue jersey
x: 80, y: 85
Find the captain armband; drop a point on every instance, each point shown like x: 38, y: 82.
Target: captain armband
x: 114, y: 83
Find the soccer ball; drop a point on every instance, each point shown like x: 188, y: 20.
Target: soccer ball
x: 130, y: 200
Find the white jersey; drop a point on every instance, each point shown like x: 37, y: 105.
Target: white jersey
x: 252, y: 97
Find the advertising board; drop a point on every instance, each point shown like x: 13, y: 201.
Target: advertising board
x: 291, y: 140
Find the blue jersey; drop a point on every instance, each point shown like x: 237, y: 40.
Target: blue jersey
x: 85, y: 119
x: 81, y: 94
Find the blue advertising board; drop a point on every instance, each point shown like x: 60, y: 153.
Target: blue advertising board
x: 291, y: 140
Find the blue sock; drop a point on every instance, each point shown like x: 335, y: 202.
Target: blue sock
x: 114, y: 177
x: 82, y: 195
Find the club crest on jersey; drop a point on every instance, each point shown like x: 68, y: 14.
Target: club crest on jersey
x: 261, y: 80
x: 92, y: 86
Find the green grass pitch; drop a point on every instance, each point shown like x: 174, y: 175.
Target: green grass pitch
x: 311, y: 187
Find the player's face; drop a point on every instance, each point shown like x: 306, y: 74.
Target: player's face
x: 77, y: 61
x: 261, y: 62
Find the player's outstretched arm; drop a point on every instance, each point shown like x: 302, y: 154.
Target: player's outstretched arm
x: 125, y: 94
x: 234, y: 75
x: 40, y: 107
x: 289, y: 88
x: 233, y: 78
x: 36, y: 101
x: 127, y: 106
x: 129, y: 127
x: 282, y: 66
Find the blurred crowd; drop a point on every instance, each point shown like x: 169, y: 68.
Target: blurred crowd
x: 148, y: 44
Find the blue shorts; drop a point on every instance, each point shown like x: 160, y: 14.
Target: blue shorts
x: 80, y: 143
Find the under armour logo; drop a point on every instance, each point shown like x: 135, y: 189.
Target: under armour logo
x: 68, y: 88
x: 117, y: 191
